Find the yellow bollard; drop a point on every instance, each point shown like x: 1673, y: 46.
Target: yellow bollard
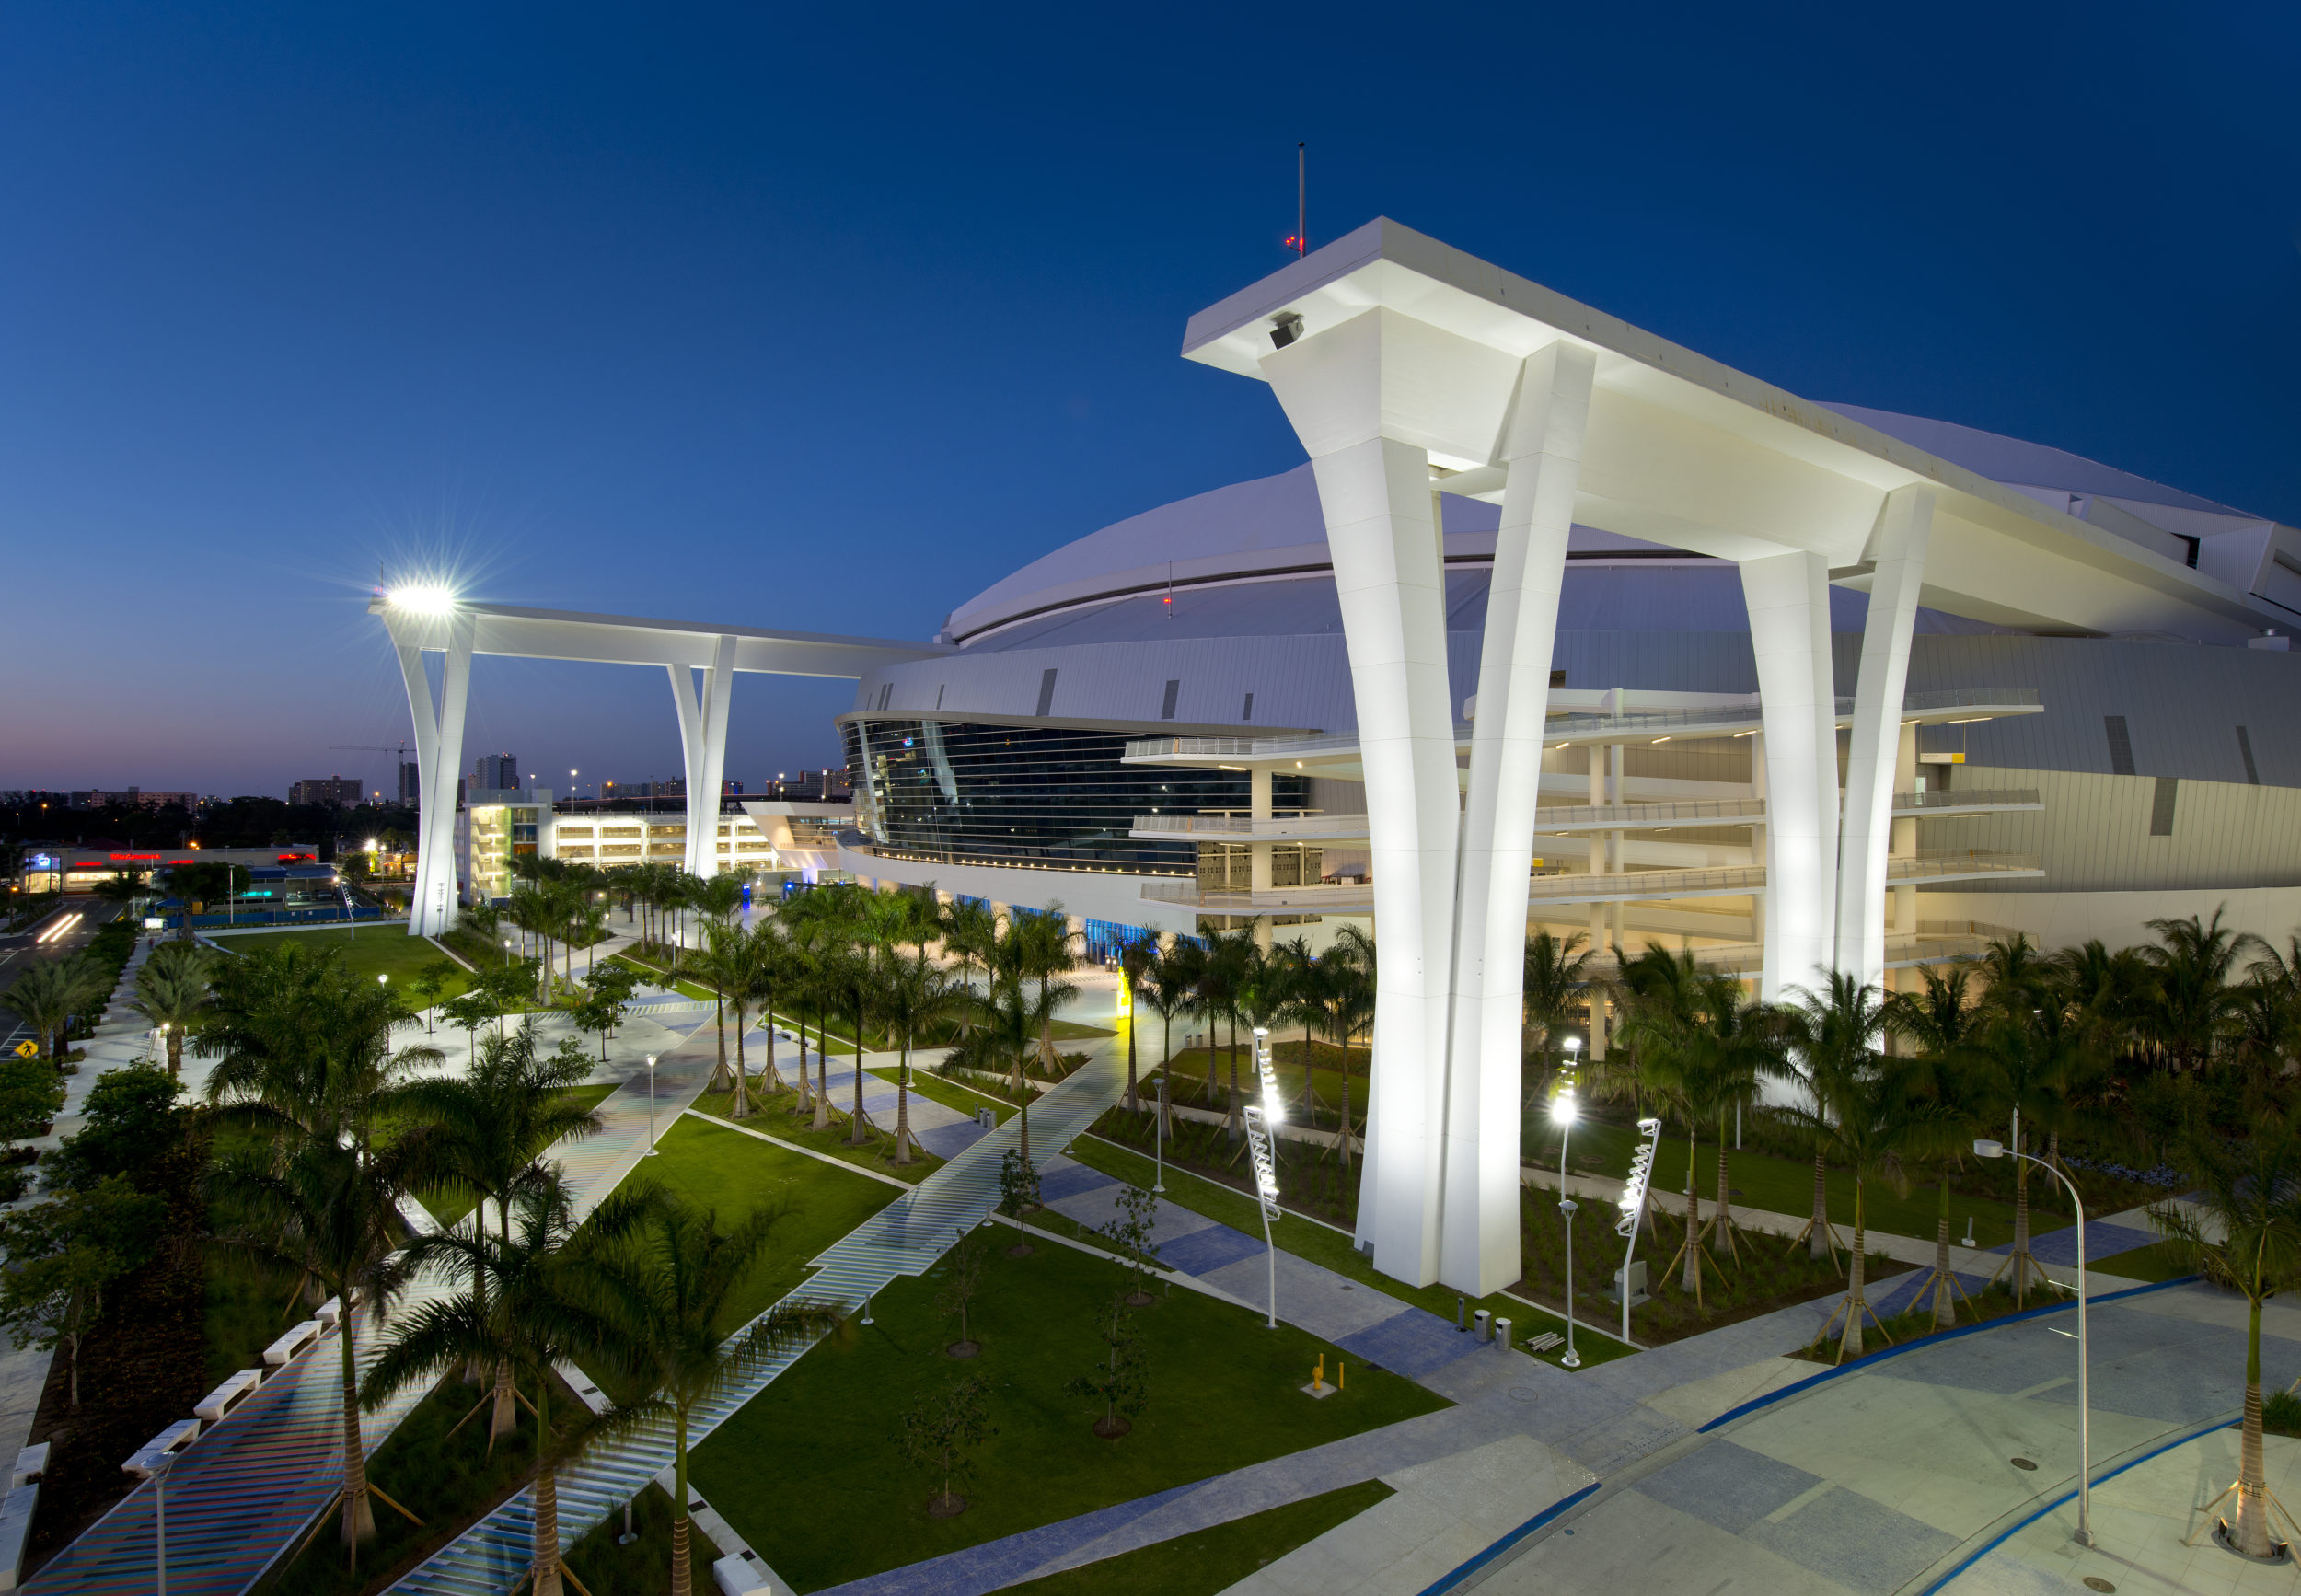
x: 1318, y: 1374
x: 1341, y: 1370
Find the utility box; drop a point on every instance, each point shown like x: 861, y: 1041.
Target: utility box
x: 1638, y: 1285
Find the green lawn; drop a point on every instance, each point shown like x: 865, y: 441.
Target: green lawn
x: 1783, y: 1185
x: 778, y: 1116
x: 1209, y: 1561
x: 2157, y: 1261
x: 1307, y: 1239
x: 718, y: 1166
x: 378, y: 951
x: 1223, y: 1394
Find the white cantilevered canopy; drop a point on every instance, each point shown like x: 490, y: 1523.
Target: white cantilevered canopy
x: 1405, y: 367
x: 428, y: 622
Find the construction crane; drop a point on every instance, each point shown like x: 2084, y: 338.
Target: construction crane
x: 400, y: 753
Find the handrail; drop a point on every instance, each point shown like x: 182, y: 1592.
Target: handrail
x: 1633, y: 816
x: 1972, y: 798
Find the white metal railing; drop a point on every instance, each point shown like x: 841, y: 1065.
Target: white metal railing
x: 1632, y: 817
x: 1972, y: 798
x: 1241, y: 827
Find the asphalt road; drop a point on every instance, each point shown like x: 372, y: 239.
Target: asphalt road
x: 68, y: 930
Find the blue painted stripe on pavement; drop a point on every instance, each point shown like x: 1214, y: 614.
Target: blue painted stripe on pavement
x: 1999, y: 1539
x: 1935, y: 1339
x: 1448, y: 1581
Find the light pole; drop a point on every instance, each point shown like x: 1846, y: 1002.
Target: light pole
x: 1158, y: 1181
x: 153, y: 1463
x: 1564, y: 1110
x: 650, y: 1105
x: 2084, y: 1537
x: 1260, y: 1118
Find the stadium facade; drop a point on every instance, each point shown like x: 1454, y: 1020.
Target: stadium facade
x: 1562, y: 625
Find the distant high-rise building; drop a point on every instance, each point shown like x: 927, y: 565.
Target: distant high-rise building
x: 409, y: 785
x: 343, y: 792
x: 498, y: 771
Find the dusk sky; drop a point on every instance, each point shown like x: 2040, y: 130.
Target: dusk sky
x: 829, y: 318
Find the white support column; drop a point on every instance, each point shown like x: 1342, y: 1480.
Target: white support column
x: 439, y: 750
x: 1898, y: 552
x: 1788, y: 598
x: 703, y: 738
x: 1542, y: 451
x: 1258, y: 854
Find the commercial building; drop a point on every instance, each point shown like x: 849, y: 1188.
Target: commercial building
x: 341, y: 791
x: 1565, y: 625
x: 496, y: 773
x: 495, y: 828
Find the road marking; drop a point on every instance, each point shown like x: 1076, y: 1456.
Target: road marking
x: 2039, y: 1390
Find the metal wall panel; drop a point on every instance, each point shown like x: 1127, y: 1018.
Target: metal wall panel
x: 2095, y: 833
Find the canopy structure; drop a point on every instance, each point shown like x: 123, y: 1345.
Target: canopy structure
x: 422, y: 621
x: 1405, y: 368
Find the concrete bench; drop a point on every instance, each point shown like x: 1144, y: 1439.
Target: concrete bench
x: 331, y: 1313
x: 228, y: 1395
x: 172, y: 1439
x: 30, y: 1464
x: 284, y: 1350
x: 15, y: 1528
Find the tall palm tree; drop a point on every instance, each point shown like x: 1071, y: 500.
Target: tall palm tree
x: 718, y: 967
x: 1877, y: 1112
x: 2241, y: 1229
x: 1298, y: 983
x: 1942, y: 1023
x: 1351, y: 985
x: 1165, y: 988
x: 173, y: 995
x: 913, y: 993
x: 1138, y: 958
x: 2194, y: 994
x: 490, y: 1130
x: 2027, y: 1057
x: 328, y: 1209
x: 1555, y: 976
x: 767, y: 976
x: 1010, y: 1025
x: 667, y: 1275
x: 1040, y: 948
x: 543, y: 1304
x: 1225, y: 975
x: 50, y: 992
x: 970, y: 936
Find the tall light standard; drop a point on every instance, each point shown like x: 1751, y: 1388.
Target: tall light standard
x: 2084, y: 1536
x: 650, y: 1105
x: 1564, y: 1111
x: 1158, y: 1180
x: 1260, y: 1118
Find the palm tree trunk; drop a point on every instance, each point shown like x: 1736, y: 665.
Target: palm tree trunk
x: 359, y: 1513
x: 174, y: 1051
x: 2020, y: 1259
x: 1850, y: 1343
x: 719, y: 1019
x: 544, y: 1557
x: 822, y: 1075
x: 1134, y: 1104
x: 856, y: 1126
x: 1691, y: 1281
x: 682, y: 1574
x: 2250, y: 1533
x: 903, y: 1102
x: 743, y: 1078
x: 1723, y: 1223
x: 1819, y: 1236
x: 1945, y: 1310
x: 1236, y: 1123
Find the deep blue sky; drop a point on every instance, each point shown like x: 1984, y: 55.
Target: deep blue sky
x: 829, y: 320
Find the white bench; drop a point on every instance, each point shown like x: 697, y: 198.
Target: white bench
x: 228, y: 1395
x: 282, y: 1351
x: 331, y: 1313
x: 172, y: 1439
x: 30, y: 1464
x: 15, y: 1528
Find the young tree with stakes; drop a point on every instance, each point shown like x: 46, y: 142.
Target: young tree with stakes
x: 1118, y: 1381
x: 1018, y: 1194
x: 940, y: 1435
x: 962, y: 1282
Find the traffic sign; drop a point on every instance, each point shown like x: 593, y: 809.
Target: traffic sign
x: 28, y: 1049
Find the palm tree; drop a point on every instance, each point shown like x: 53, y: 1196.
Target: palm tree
x: 913, y: 993
x: 544, y: 1303
x: 1350, y: 983
x: 971, y: 936
x: 718, y: 967
x: 1552, y: 988
x: 1873, y: 1111
x: 1164, y: 987
x: 490, y: 1131
x: 1138, y: 958
x: 2193, y: 996
x: 2241, y: 1229
x: 1038, y: 948
x: 173, y: 994
x: 668, y: 1277
x: 2027, y: 1057
x: 766, y: 974
x: 1941, y: 1022
x: 49, y: 993
x: 1299, y: 985
x: 1011, y: 1023
x: 1224, y: 976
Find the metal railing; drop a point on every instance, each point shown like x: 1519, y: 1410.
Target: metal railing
x: 1632, y: 817
x: 1241, y: 827
x: 1974, y: 798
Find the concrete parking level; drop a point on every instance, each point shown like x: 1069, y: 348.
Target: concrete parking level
x: 1887, y: 1477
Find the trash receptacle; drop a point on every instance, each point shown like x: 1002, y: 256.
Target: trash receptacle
x: 1484, y: 1325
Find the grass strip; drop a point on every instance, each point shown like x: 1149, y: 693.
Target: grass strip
x: 830, y: 1424
x: 1207, y: 1561
x: 1308, y: 1239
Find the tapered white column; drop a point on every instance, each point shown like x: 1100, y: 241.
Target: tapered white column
x: 1788, y: 599
x: 703, y: 739
x: 1897, y: 550
x: 438, y: 752
x: 1542, y: 450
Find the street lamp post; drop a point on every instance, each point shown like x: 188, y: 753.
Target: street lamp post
x: 2084, y: 1430
x: 1565, y: 1111
x: 1158, y: 1180
x: 650, y: 1105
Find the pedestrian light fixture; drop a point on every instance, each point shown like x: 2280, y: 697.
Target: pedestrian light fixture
x: 650, y: 1105
x: 1632, y: 1204
x: 1986, y: 1148
x: 1564, y: 1112
x: 1260, y: 1117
